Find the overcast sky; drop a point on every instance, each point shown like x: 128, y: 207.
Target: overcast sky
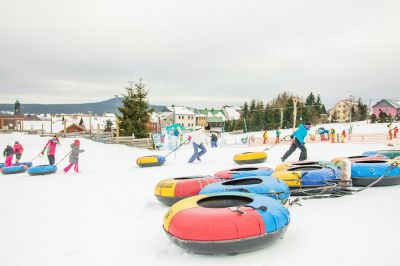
x: 198, y: 52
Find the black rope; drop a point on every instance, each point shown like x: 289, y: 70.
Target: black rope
x: 338, y: 191
x: 63, y: 158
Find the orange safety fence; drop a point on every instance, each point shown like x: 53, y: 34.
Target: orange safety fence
x: 356, y: 138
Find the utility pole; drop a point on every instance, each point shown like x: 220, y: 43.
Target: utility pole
x: 51, y: 124
x: 173, y: 114
x: 369, y: 109
x: 295, y: 101
x: 116, y: 126
x: 351, y: 111
x: 90, y: 124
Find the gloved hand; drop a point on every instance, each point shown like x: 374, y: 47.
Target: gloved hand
x: 189, y: 138
x: 291, y: 136
x: 42, y: 153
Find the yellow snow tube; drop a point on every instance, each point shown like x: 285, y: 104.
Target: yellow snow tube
x: 250, y: 157
x: 291, y: 178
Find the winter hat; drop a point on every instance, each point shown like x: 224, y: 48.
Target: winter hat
x: 77, y: 142
x: 16, y: 142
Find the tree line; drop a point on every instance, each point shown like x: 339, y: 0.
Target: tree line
x: 256, y: 115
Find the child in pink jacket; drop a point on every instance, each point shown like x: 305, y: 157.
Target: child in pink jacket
x: 51, y: 149
x: 18, y: 150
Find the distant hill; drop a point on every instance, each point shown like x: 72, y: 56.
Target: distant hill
x: 108, y: 106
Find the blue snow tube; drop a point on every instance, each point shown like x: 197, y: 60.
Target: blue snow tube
x: 263, y: 185
x: 388, y: 153
x: 29, y: 164
x: 320, y: 177
x: 363, y: 174
x: 241, y: 172
x: 311, y: 176
x: 42, y: 170
x: 14, y: 169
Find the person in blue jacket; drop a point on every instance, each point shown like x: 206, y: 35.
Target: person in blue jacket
x: 298, y: 142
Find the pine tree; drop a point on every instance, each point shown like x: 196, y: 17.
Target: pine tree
x: 310, y: 99
x: 135, y: 112
x: 81, y: 124
x: 245, y: 110
x: 108, y: 126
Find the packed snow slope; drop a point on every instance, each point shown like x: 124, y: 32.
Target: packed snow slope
x: 108, y: 215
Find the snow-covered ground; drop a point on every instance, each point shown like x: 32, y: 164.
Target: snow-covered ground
x: 108, y: 215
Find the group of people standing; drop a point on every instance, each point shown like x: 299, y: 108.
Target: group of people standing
x: 9, y: 153
x: 332, y: 135
x: 277, y: 136
x: 392, y: 134
x: 49, y: 149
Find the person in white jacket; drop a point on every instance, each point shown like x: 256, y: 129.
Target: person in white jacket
x: 199, y: 138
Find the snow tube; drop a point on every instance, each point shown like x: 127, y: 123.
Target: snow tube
x: 388, y: 153
x: 244, y: 172
x: 152, y: 160
x: 42, y: 170
x: 262, y: 185
x: 226, y: 223
x: 14, y: 169
x: 358, y: 158
x: 363, y: 174
x: 250, y: 157
x: 171, y: 190
x: 29, y: 164
x: 312, y: 176
x: 287, y: 165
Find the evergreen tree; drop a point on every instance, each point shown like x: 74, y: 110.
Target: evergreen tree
x: 245, y: 110
x: 81, y: 124
x: 258, y: 116
x: 363, y: 110
x: 108, y: 126
x: 382, y: 117
x: 319, y: 107
x: 135, y: 112
x: 373, y: 118
x: 310, y: 99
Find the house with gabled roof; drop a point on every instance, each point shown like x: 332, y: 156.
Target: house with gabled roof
x: 388, y: 106
x: 214, y: 118
x: 340, y: 112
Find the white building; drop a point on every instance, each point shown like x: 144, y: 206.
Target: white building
x: 231, y: 112
x: 183, y: 116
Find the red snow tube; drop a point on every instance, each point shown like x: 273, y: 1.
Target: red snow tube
x: 171, y: 190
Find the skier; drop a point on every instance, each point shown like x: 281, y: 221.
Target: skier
x: 8, y: 153
x: 298, y: 142
x: 199, y: 137
x: 395, y: 131
x: 18, y: 150
x: 74, y: 157
x: 51, y: 149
